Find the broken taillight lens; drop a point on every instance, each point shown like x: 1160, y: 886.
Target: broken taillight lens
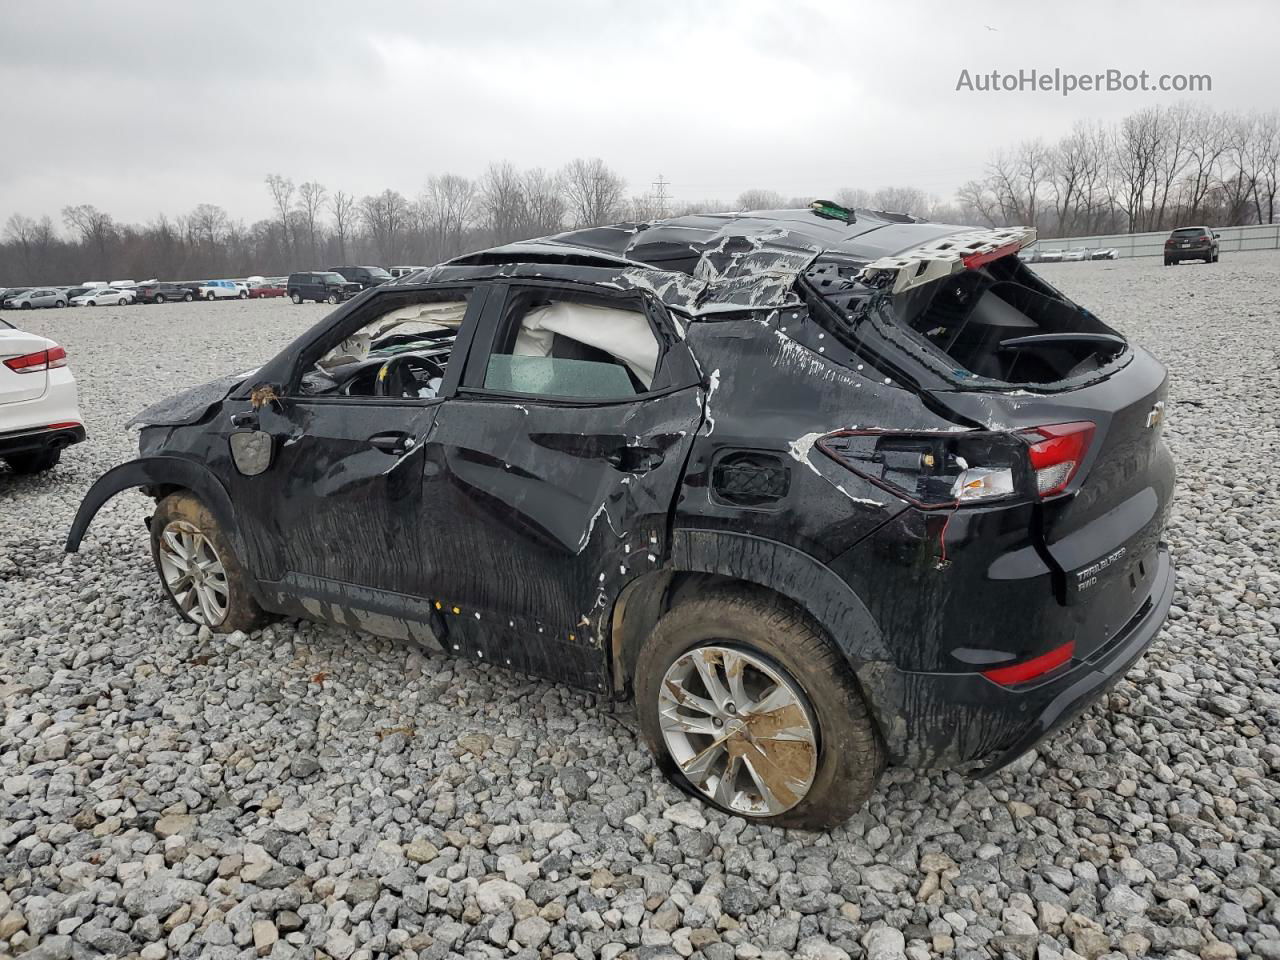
x: 39, y: 361
x: 1056, y: 453
x: 933, y: 470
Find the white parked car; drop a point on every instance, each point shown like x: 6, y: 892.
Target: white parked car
x: 404, y: 271
x: 224, y: 290
x: 39, y: 406
x: 101, y: 296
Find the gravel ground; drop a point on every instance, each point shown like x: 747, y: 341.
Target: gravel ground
x: 312, y: 791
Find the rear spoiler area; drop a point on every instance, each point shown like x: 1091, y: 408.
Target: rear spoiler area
x: 945, y: 256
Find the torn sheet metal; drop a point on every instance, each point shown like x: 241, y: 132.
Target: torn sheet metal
x: 944, y: 256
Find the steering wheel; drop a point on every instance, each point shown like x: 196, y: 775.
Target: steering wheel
x: 394, y: 380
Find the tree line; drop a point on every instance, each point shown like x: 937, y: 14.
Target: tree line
x: 1152, y: 170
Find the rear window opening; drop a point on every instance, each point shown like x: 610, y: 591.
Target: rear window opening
x: 1002, y: 322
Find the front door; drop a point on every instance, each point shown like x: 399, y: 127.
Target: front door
x: 337, y: 514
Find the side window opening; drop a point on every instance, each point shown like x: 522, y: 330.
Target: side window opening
x: 556, y: 344
x: 402, y: 353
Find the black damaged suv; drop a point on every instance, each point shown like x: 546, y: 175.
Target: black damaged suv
x: 819, y: 490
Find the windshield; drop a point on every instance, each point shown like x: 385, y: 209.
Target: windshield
x: 334, y: 277
x: 379, y: 273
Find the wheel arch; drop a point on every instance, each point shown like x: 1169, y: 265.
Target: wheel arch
x: 158, y: 476
x: 708, y: 559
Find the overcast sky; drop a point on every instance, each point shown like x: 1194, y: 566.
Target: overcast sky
x: 143, y: 107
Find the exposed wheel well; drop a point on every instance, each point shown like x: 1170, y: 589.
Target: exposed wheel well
x: 643, y: 602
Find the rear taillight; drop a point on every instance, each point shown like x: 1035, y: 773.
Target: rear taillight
x: 932, y: 470
x: 1056, y: 453
x: 1029, y: 670
x: 39, y: 361
x: 940, y: 470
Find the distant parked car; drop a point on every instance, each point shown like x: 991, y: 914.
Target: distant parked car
x: 1075, y: 255
x: 102, y: 296
x: 1050, y: 256
x: 163, y: 292
x: 398, y: 272
x: 73, y: 292
x: 35, y: 297
x: 39, y: 407
x: 11, y: 292
x: 267, y: 288
x: 223, y: 290
x: 1191, y: 243
x: 366, y: 277
x: 1106, y: 253
x: 321, y: 285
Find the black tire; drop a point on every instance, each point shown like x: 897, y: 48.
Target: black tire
x: 159, y: 298
x: 296, y: 297
x: 242, y: 610
x: 208, y: 297
x: 27, y: 305
x: 850, y: 755
x: 59, y: 303
x: 1215, y: 259
x: 333, y: 298
x: 187, y: 297
x: 1168, y: 262
x: 244, y: 294
x: 35, y: 462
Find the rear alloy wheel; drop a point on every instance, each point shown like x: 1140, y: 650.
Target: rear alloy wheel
x: 159, y: 298
x: 187, y: 297
x: 198, y: 568
x: 748, y: 706
x: 295, y: 297
x: 60, y: 303
x: 35, y: 462
x: 333, y: 298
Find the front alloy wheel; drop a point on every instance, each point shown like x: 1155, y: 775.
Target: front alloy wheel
x: 198, y: 567
x: 194, y: 573
x: 739, y: 729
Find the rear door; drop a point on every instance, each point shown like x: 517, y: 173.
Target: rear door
x: 14, y: 386
x: 550, y: 476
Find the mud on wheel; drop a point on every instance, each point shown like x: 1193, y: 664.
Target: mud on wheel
x: 748, y: 706
x: 199, y: 570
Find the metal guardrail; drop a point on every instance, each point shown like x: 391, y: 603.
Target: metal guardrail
x: 1259, y: 236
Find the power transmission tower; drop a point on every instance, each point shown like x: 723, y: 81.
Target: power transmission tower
x: 660, y: 196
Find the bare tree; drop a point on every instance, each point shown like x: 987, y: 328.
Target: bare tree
x: 447, y: 206
x: 96, y: 230
x: 385, y: 216
x: 1266, y: 164
x: 343, y: 207
x: 310, y: 202
x: 756, y: 199
x: 544, y: 204
x: 595, y: 194
x: 281, y: 189
x: 209, y: 223
x: 502, y: 201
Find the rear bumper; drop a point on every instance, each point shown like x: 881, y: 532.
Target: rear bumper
x: 965, y: 720
x: 43, y: 438
x: 1188, y: 253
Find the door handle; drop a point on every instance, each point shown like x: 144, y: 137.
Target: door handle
x: 635, y: 459
x: 245, y: 419
x: 394, y: 443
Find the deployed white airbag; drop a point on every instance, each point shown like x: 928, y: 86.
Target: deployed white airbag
x: 624, y: 334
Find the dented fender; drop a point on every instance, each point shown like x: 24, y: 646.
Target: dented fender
x: 155, y: 471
